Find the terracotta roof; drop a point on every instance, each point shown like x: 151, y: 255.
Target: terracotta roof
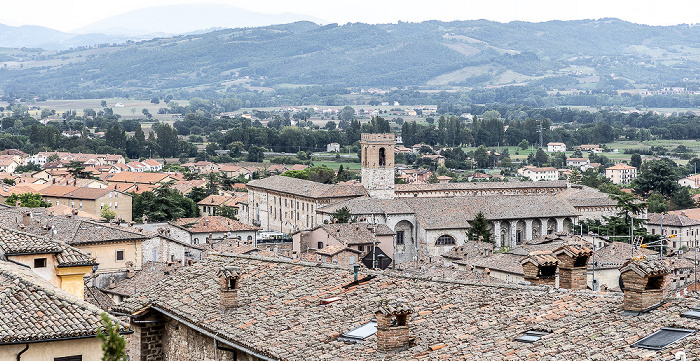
x: 352, y: 233
x: 279, y: 314
x: 216, y: 200
x: 676, y: 220
x: 541, y: 258
x: 645, y: 268
x: 150, y: 274
x: 620, y: 166
x: 470, y: 249
x: 478, y: 186
x: 615, y: 254
x: 333, y: 249
x: 34, y: 310
x: 693, y: 213
x: 587, y: 197
x: 13, y: 242
x: 138, y: 177
x: 212, y: 224
x: 306, y: 188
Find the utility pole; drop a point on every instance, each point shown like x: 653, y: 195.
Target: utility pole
x: 539, y: 130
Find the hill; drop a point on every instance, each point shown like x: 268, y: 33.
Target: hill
x: 585, y: 54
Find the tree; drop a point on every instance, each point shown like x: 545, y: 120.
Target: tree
x: 681, y: 199
x: 155, y: 100
x: 657, y: 203
x: 636, y: 160
x: 163, y: 204
x: 31, y: 200
x: 479, y: 229
x: 197, y: 194
x: 107, y: 213
x: 432, y: 178
x: 321, y: 174
x: 575, y: 177
x: 29, y: 167
x: 255, y: 154
x: 342, y: 174
x: 481, y: 157
x: 103, y: 103
x: 541, y: 157
x: 8, y: 181
x: 342, y: 215
x: 113, y: 344
x: 77, y: 170
x: 656, y: 175
x: 226, y: 211
x: 524, y: 144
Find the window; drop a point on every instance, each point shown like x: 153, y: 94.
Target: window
x: 693, y: 313
x: 116, y: 205
x: 662, y: 338
x: 250, y: 238
x: 531, y: 336
x: 361, y: 333
x: 120, y: 255
x: 399, y: 237
x: 361, y: 248
x: 382, y: 157
x: 69, y: 358
x: 39, y: 262
x: 445, y: 240
x: 320, y: 245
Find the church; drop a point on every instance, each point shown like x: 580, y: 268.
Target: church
x: 428, y: 219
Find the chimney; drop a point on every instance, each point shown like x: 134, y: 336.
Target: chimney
x: 573, y: 264
x: 18, y: 204
x: 129, y: 269
x: 540, y: 268
x: 26, y: 218
x: 228, y: 287
x: 393, y: 333
x: 642, y: 284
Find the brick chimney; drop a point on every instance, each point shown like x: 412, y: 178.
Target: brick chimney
x: 129, y: 269
x: 642, y: 284
x: 228, y: 286
x: 540, y: 268
x: 26, y: 218
x: 392, y: 325
x: 573, y: 264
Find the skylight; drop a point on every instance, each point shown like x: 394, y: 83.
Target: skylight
x: 662, y: 338
x: 531, y: 336
x: 361, y: 333
x: 693, y: 313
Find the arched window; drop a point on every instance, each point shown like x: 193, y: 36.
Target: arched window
x: 250, y: 238
x: 445, y: 240
x: 382, y: 157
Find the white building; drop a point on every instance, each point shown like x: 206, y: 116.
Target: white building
x: 333, y: 147
x: 556, y: 147
x: 538, y: 174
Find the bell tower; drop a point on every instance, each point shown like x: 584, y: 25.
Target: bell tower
x: 378, y: 164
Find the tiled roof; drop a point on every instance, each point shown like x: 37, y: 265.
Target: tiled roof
x: 676, y: 220
x: 615, y: 254
x: 14, y: 242
x: 138, y: 177
x: 150, y: 274
x: 366, y: 205
x: 477, y: 186
x: 306, y: 188
x: 71, y: 256
x: 91, y: 193
x: 647, y: 267
x: 212, y: 224
x: 279, y: 315
x: 96, y: 297
x: 215, y: 200
x: 587, y: 197
x: 352, y: 233
x: 334, y: 249
x: 470, y: 249
x: 34, y: 310
x: 620, y: 166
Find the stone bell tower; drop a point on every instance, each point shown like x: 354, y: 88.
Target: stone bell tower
x: 378, y: 164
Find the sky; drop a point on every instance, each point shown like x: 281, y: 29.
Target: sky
x: 67, y: 15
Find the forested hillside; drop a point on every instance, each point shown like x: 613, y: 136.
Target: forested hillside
x: 587, y: 54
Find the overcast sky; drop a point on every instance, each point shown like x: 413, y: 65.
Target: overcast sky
x: 67, y: 15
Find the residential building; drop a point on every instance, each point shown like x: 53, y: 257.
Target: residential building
x: 90, y: 200
x: 209, y: 205
x: 138, y: 178
x: 591, y: 148
x: 692, y: 181
x: 556, y: 147
x: 576, y: 162
x: 539, y: 173
x: 361, y: 237
x: 204, y: 230
x: 41, y: 322
x: 377, y: 315
x: 621, y: 173
x: 333, y: 147
x: 682, y: 231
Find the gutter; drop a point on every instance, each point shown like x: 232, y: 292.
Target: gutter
x: 58, y: 339
x: 19, y: 355
x: 212, y: 335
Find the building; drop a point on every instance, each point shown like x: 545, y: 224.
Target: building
x: 333, y: 147
x: 209, y: 206
x: 55, y: 261
x: 378, y: 164
x: 285, y: 204
x: 556, y: 147
x: 683, y: 232
x: 90, y: 200
x: 539, y: 174
x: 692, y: 181
x: 204, y: 230
x: 621, y: 173
x: 41, y: 322
x: 591, y: 148
x: 577, y: 162
x: 264, y: 309
x: 360, y: 237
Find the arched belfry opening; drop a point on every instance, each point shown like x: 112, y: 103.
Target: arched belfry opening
x: 378, y: 164
x: 382, y: 157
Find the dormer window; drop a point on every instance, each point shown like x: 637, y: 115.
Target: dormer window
x: 232, y: 283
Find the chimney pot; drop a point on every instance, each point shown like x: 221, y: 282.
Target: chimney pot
x: 228, y: 287
x: 642, y: 284
x: 393, y: 331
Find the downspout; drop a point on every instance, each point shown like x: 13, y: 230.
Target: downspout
x: 19, y: 355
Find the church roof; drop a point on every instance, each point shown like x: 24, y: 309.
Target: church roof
x: 306, y: 188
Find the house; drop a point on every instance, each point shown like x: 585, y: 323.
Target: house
x: 682, y: 232
x: 209, y: 205
x: 333, y: 147
x: 556, y: 147
x: 315, y: 311
x: 591, y: 148
x: 138, y: 178
x: 204, y: 230
x: 8, y: 164
x: 186, y: 186
x: 692, y: 181
x: 576, y: 162
x: 539, y: 174
x: 90, y: 200
x: 234, y: 171
x: 436, y: 158
x: 621, y: 173
x: 41, y: 322
x: 360, y: 237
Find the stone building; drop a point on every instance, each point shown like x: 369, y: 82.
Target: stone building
x: 250, y: 308
x: 361, y: 237
x: 683, y: 231
x: 378, y: 164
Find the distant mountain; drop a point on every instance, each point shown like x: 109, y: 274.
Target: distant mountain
x: 187, y: 18
x: 596, y: 55
x: 31, y: 36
